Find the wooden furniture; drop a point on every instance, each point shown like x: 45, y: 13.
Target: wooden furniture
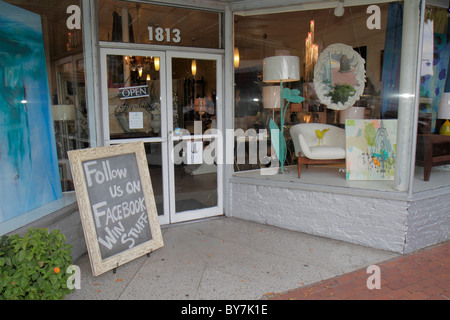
x: 310, y: 149
x: 432, y: 150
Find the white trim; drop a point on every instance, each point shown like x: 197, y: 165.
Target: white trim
x: 228, y: 118
x: 407, y: 92
x: 416, y: 101
x: 90, y: 26
x: 155, y: 47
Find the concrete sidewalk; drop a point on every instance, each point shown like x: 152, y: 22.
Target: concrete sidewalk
x: 422, y: 275
x: 227, y: 259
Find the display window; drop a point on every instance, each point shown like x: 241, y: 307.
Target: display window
x: 339, y: 112
x: 433, y: 134
x: 43, y: 106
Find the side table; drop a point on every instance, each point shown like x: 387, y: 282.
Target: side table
x: 432, y: 150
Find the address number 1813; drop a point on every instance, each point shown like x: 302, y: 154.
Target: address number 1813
x: 160, y: 34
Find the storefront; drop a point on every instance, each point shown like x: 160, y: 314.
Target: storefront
x: 186, y: 78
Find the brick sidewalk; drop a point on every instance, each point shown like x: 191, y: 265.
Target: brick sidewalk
x: 422, y: 275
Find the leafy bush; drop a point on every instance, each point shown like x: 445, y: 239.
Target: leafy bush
x: 33, y: 266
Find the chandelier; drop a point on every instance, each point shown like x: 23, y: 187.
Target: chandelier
x: 142, y: 64
x: 311, y: 53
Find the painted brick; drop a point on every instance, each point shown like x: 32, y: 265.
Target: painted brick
x: 395, y: 225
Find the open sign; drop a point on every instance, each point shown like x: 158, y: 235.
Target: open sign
x: 133, y: 92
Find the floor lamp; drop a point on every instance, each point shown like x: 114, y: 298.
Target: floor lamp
x: 279, y: 69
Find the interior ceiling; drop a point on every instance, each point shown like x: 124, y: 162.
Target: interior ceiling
x: 260, y: 35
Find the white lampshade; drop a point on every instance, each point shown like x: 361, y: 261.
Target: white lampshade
x: 271, y: 97
x: 351, y: 113
x: 62, y: 112
x: 444, y: 106
x: 281, y: 68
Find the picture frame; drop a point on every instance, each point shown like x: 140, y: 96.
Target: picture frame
x: 116, y: 204
x: 339, y: 76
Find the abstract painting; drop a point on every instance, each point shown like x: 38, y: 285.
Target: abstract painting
x: 28, y: 162
x: 370, y: 149
x: 432, y: 84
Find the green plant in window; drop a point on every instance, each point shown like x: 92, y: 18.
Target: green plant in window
x: 341, y: 93
x: 33, y: 266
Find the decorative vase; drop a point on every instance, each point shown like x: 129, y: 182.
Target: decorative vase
x: 445, y: 129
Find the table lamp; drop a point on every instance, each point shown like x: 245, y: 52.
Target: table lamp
x: 279, y: 69
x: 271, y: 98
x: 63, y: 113
x: 444, y: 113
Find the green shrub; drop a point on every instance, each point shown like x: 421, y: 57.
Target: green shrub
x: 33, y: 266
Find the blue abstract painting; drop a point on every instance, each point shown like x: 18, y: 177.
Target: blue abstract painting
x: 29, y: 175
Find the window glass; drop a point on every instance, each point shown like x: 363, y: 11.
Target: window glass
x: 153, y: 24
x: 134, y: 106
x: 372, y: 36
x: 42, y: 102
x: 433, y: 133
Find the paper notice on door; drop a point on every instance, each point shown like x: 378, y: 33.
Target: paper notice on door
x: 194, y: 152
x: 136, y: 120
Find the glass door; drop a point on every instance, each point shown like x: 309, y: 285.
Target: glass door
x: 195, y: 95
x: 134, y: 109
x: 173, y: 103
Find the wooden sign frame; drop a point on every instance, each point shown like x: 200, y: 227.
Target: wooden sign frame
x: 94, y: 214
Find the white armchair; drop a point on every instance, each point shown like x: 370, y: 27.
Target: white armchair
x: 310, y: 149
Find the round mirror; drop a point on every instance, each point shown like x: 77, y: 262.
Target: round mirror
x: 339, y: 76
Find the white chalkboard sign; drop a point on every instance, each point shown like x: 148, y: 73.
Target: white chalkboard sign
x: 116, y: 203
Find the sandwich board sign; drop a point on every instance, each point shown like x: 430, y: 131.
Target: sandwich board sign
x: 116, y: 204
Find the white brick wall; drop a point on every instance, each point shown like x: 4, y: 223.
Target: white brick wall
x: 428, y: 222
x: 373, y: 222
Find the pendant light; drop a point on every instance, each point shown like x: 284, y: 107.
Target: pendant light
x: 156, y: 62
x: 236, y: 57
x: 194, y: 67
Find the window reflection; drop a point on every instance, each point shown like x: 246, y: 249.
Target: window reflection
x: 121, y: 21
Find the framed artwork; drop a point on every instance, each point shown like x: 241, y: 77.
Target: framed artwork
x: 370, y: 149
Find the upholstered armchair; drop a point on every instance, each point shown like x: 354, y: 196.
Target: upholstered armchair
x: 327, y: 146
